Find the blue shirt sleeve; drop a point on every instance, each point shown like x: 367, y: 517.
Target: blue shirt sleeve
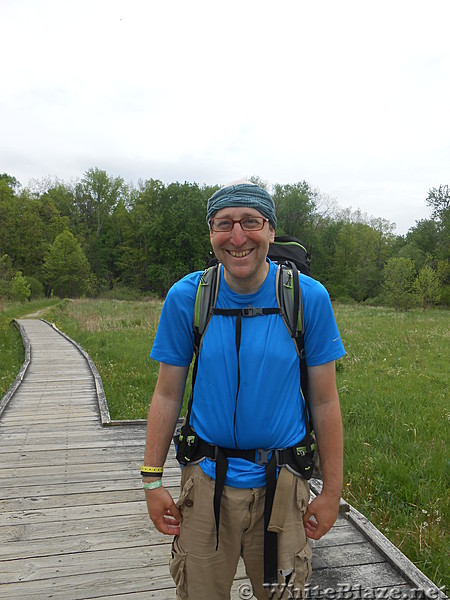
x: 174, y: 341
x: 322, y: 339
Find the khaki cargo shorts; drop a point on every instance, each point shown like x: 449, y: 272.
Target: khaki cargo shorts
x: 201, y: 572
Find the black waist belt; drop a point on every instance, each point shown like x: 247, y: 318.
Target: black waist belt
x: 298, y: 458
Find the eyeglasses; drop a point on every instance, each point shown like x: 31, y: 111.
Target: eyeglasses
x: 246, y: 223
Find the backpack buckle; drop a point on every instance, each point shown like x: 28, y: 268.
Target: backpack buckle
x: 262, y: 456
x: 251, y: 311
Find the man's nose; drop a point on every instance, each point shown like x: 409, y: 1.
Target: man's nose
x: 237, y: 235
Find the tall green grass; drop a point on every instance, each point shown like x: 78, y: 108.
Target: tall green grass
x: 393, y: 386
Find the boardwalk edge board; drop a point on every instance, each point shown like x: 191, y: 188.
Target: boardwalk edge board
x: 391, y: 553
x: 21, y: 374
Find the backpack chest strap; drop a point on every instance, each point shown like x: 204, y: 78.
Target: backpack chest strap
x: 248, y: 311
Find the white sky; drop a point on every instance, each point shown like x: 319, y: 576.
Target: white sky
x: 352, y: 96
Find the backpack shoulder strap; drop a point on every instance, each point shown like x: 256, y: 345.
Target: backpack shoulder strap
x: 205, y: 301
x: 289, y: 299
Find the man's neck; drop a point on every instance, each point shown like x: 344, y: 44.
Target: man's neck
x: 247, y: 286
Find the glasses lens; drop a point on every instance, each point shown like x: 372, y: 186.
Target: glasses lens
x: 247, y: 224
x: 221, y: 224
x: 252, y: 223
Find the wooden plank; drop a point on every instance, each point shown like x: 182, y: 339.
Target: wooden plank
x: 79, y: 528
x: 49, y: 515
x: 70, y: 478
x: 79, y: 500
x: 345, y: 555
x: 97, y: 561
x: 89, y: 541
x: 59, y: 493
x: 9, y: 446
x: 91, y: 585
x: 75, y: 456
x: 105, y: 469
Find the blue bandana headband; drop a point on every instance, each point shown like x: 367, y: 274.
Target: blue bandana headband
x: 242, y: 194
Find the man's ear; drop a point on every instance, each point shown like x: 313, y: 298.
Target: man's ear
x: 271, y: 233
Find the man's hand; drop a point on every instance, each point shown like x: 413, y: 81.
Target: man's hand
x: 163, y: 512
x: 320, y: 516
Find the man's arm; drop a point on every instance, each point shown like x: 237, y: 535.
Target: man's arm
x: 326, y: 416
x: 162, y: 418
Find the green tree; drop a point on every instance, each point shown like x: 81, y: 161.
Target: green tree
x: 399, y: 275
x: 295, y: 205
x: 20, y: 288
x: 427, y: 287
x: 258, y: 181
x: 36, y: 287
x: 10, y: 181
x: 62, y: 196
x: 6, y: 274
x: 125, y: 262
x: 357, y: 262
x: 98, y: 194
x: 28, y: 225
x: 439, y: 201
x: 177, y: 234
x: 66, y: 269
x: 420, y: 242
x: 443, y: 271
x: 323, y: 255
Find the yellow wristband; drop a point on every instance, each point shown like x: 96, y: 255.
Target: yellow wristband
x: 152, y: 470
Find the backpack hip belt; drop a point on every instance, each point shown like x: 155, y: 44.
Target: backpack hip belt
x: 191, y: 449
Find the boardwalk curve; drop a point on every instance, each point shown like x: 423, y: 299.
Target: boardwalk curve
x: 73, y: 521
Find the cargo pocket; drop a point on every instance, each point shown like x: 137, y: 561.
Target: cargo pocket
x: 177, y: 568
x: 302, y: 566
x: 185, y: 490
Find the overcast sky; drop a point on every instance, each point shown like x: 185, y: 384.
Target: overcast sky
x: 352, y: 96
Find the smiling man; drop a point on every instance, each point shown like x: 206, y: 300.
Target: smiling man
x: 246, y: 403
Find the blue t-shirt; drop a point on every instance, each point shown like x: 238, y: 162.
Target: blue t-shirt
x: 267, y: 411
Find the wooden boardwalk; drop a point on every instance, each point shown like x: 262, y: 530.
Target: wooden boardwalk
x: 73, y: 521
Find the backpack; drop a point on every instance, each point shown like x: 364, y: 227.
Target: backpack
x: 286, y: 248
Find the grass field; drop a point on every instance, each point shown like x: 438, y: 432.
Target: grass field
x: 393, y: 385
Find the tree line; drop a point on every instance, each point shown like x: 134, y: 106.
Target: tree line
x: 100, y: 235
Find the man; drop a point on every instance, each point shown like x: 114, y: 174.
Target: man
x: 246, y: 396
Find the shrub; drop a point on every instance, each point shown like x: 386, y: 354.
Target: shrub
x: 399, y: 274
x: 20, y: 290
x: 427, y: 287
